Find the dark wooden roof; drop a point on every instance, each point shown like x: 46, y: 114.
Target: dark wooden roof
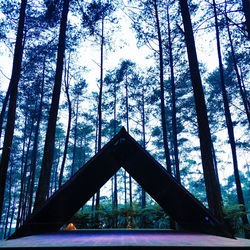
x: 122, y: 151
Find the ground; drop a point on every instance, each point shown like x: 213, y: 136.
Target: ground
x: 123, y: 239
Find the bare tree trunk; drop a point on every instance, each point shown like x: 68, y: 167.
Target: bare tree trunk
x: 115, y: 202
x: 9, y: 202
x: 100, y: 106
x: 127, y: 122
x: 23, y: 179
x: 69, y: 123
x: 5, y: 102
x: 229, y: 119
x: 43, y: 185
x: 163, y: 115
x: 75, y: 138
x: 143, y: 193
x: 212, y: 186
x: 22, y: 171
x: 242, y: 92
x: 12, y: 213
x: 174, y: 127
x: 246, y: 10
x: 16, y: 70
x: 35, y: 143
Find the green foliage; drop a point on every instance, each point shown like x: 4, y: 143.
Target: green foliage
x: 232, y: 215
x: 152, y: 216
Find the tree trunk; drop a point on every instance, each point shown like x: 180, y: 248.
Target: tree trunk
x: 22, y: 171
x: 35, y: 143
x: 242, y: 92
x: 5, y: 102
x: 174, y: 127
x: 229, y: 119
x: 16, y: 70
x: 21, y: 208
x: 43, y: 185
x: 69, y: 124
x: 100, y: 105
x: 75, y: 138
x: 115, y: 204
x: 216, y: 169
x: 12, y: 214
x: 127, y: 122
x: 163, y: 115
x: 212, y: 186
x: 9, y: 202
x: 246, y: 10
x: 143, y: 193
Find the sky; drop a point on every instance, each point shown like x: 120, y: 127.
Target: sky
x: 89, y: 56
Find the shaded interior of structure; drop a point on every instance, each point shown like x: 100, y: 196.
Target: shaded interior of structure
x: 124, y: 215
x: 122, y: 151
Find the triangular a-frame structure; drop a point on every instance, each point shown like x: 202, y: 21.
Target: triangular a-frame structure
x: 122, y: 151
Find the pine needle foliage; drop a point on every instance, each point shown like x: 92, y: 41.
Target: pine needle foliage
x: 152, y: 216
x: 233, y: 217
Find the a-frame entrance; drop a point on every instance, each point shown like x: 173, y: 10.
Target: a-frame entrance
x: 122, y: 151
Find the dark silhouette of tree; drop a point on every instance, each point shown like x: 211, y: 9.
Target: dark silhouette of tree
x: 242, y: 92
x: 173, y: 99
x: 66, y: 82
x: 246, y: 10
x: 9, y: 131
x: 163, y: 114
x: 43, y: 185
x: 212, y: 186
x: 229, y: 122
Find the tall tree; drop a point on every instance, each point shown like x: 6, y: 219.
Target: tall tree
x: 242, y: 92
x: 66, y: 82
x: 229, y: 122
x: 77, y: 93
x: 94, y: 18
x: 43, y: 185
x: 212, y: 186
x: 173, y: 101
x: 246, y: 10
x: 163, y: 114
x: 16, y: 70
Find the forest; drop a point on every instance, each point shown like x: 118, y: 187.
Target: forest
x: 174, y: 73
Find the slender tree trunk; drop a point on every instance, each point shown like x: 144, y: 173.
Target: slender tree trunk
x: 22, y: 171
x: 125, y: 187
x: 229, y: 119
x: 75, y: 138
x: 216, y: 169
x: 9, y: 203
x: 163, y: 115
x: 242, y: 93
x: 69, y: 124
x: 43, y: 185
x: 127, y: 122
x: 246, y: 10
x: 212, y: 186
x: 12, y: 213
x: 100, y: 105
x: 16, y: 70
x: 5, y: 102
x: 35, y: 143
x: 174, y: 126
x: 21, y: 209
x: 244, y: 88
x: 115, y: 176
x: 143, y: 193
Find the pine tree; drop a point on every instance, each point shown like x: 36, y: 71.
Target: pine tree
x: 43, y: 185
x: 212, y: 187
x: 16, y: 70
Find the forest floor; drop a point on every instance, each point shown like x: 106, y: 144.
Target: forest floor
x: 123, y: 238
